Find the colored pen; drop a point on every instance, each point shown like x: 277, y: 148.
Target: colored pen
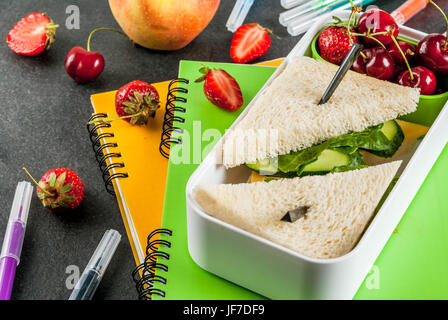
x: 238, y: 14
x: 408, y: 9
x: 13, y: 241
x: 309, y: 6
x: 95, y: 269
x: 302, y: 24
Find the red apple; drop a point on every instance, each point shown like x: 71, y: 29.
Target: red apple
x: 163, y: 25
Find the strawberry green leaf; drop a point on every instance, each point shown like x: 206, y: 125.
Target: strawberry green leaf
x: 128, y: 104
x: 337, y: 19
x: 52, y: 179
x: 138, y: 95
x: 41, y: 185
x: 69, y: 198
x: 129, y: 110
x: 201, y: 78
x: 66, y: 188
x: 41, y: 195
x: 60, y: 181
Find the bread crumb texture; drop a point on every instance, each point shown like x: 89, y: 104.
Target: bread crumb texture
x: 340, y: 207
x: 286, y: 116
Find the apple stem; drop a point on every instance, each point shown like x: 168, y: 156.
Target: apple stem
x: 37, y: 184
x: 446, y: 21
x: 404, y: 57
x: 113, y: 119
x: 107, y: 29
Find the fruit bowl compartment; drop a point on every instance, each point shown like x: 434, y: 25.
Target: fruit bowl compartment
x: 429, y: 106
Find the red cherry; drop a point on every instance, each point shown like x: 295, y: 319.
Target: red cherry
x: 376, y: 63
x: 433, y: 54
x: 83, y: 65
x: 423, y: 79
x: 407, y: 48
x: 398, y: 70
x: 376, y: 20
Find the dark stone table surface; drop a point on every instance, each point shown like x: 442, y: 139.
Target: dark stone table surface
x: 42, y: 126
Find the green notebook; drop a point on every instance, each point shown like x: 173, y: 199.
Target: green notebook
x: 411, y: 266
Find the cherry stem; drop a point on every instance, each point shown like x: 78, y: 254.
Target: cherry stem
x: 107, y: 29
x: 349, y: 24
x: 404, y: 57
x: 446, y: 21
x: 37, y: 184
x: 113, y: 119
x: 372, y: 36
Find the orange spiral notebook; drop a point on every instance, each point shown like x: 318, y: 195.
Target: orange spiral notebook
x: 139, y: 168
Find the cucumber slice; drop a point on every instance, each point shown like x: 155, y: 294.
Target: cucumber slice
x: 327, y: 161
x: 390, y: 129
x: 334, y: 160
x: 395, y: 136
x: 267, y: 167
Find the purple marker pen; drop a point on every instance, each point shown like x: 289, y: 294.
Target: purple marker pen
x: 12, y: 243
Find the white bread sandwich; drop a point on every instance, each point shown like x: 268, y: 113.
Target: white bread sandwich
x: 335, y: 208
x: 286, y: 116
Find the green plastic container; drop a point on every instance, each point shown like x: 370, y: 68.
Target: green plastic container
x: 428, y: 107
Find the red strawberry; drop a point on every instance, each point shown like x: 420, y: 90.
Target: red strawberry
x: 59, y: 189
x: 334, y: 44
x: 136, y: 102
x: 32, y: 35
x: 221, y: 89
x: 249, y: 42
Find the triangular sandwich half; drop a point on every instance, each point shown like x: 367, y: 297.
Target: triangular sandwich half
x: 338, y: 208
x: 286, y: 116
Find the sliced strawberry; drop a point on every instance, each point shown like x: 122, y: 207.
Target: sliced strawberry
x: 221, y: 89
x: 249, y: 42
x: 32, y: 35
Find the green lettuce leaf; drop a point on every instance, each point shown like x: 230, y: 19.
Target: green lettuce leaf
x: 372, y: 139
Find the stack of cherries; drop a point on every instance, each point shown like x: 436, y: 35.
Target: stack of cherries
x: 385, y: 57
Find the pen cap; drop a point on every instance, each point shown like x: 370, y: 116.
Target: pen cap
x: 104, y: 252
x: 408, y: 9
x: 15, y: 231
x: 238, y: 14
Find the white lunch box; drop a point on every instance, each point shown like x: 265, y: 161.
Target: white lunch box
x: 280, y: 273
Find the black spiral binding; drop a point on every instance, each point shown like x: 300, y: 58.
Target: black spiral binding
x: 100, y: 154
x: 169, y: 119
x: 145, y: 274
